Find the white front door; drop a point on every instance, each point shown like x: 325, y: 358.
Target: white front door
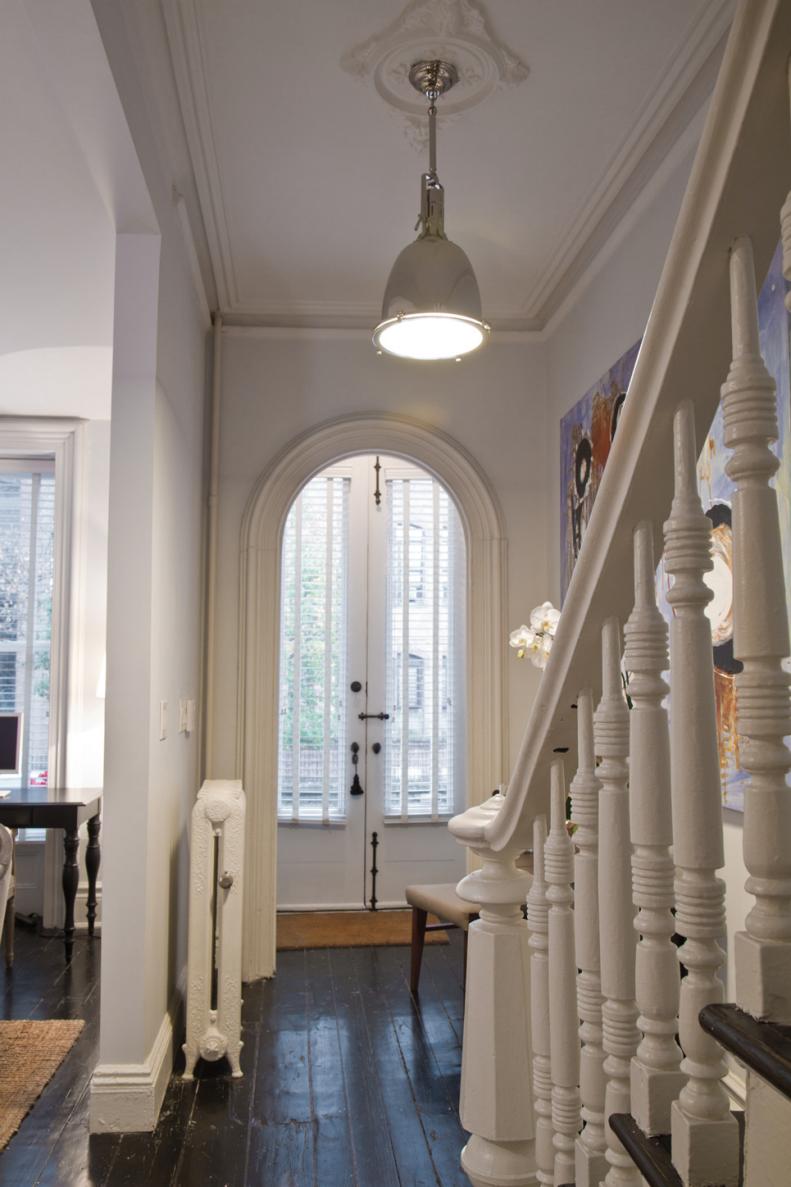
x: 371, y: 668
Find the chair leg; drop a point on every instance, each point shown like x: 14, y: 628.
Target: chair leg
x: 8, y: 932
x: 418, y: 939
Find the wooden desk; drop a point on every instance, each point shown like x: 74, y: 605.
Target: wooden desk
x: 66, y: 808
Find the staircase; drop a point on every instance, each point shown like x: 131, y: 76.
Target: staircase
x: 588, y: 1057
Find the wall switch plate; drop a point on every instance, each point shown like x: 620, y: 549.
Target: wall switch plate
x: 190, y: 716
x: 163, y: 720
x: 183, y: 726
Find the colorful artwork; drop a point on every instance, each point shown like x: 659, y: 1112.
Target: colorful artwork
x: 716, y: 491
x: 586, y: 434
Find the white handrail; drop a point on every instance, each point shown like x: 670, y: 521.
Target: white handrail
x: 739, y: 180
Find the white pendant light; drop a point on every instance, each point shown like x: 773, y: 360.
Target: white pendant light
x: 432, y: 306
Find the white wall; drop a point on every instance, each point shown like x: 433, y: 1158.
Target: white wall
x: 155, y: 582
x: 278, y: 384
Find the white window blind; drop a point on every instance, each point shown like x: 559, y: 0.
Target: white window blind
x: 312, y: 741
x: 27, y: 554
x: 425, y: 638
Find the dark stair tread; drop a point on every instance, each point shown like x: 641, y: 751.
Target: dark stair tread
x: 651, y: 1156
x: 764, y: 1047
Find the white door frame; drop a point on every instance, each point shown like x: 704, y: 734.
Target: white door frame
x: 59, y: 438
x: 259, y: 614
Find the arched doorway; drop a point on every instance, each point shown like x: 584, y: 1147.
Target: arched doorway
x: 259, y: 625
x: 372, y: 718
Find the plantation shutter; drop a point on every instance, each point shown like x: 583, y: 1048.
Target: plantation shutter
x: 27, y: 554
x: 313, y: 648
x: 425, y: 641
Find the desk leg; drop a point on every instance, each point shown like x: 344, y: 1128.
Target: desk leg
x: 71, y: 878
x: 93, y: 855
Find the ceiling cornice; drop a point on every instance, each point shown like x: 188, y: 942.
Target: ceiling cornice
x: 663, y: 118
x: 187, y: 53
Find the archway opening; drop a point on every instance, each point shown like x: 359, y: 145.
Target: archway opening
x: 259, y: 642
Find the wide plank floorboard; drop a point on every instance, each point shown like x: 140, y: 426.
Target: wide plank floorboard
x: 349, y: 1081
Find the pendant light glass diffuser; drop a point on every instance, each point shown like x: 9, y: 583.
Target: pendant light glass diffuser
x: 432, y: 306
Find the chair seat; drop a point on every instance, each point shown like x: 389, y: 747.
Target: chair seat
x: 440, y: 899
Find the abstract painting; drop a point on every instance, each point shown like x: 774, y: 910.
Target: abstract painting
x: 586, y: 434
x: 716, y: 491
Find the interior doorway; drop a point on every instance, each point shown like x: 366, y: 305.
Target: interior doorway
x: 372, y: 686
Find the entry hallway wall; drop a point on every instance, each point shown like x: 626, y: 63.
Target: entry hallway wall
x: 279, y: 384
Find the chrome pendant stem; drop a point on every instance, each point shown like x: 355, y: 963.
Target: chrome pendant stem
x: 432, y: 139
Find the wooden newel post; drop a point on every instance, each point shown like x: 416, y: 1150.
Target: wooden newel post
x: 656, y: 1078
x: 705, y: 1137
x: 760, y: 634
x: 496, y: 1103
x: 590, y: 1162
x: 619, y: 1013
x: 563, y: 1018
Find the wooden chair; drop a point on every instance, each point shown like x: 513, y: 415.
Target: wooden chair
x: 451, y: 911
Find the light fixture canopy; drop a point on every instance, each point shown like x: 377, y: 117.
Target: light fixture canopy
x: 432, y: 305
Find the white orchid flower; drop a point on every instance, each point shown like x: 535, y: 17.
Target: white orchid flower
x: 522, y: 637
x: 545, y: 618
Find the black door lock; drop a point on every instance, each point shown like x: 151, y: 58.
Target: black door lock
x: 356, y: 787
x: 377, y: 746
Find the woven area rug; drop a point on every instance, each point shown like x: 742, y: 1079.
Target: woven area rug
x: 30, y: 1054
x: 348, y: 929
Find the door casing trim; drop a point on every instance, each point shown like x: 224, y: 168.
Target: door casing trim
x: 259, y: 621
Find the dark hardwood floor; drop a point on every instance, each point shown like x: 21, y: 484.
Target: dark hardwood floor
x: 348, y: 1082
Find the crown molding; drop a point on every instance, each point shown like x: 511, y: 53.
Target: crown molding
x: 664, y: 117
x: 184, y: 34
x: 345, y: 315
x: 666, y: 113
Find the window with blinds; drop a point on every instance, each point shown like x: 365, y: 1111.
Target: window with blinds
x: 312, y: 728
x: 27, y: 555
x: 424, y: 651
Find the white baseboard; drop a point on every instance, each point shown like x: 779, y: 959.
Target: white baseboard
x: 127, y: 1097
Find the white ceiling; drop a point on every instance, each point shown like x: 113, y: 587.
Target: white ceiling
x: 308, y: 185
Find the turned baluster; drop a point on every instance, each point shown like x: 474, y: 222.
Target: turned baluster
x: 704, y: 1134
x: 590, y: 1163
x: 617, y: 938
x: 760, y: 634
x: 496, y: 1102
x: 563, y: 1019
x: 656, y: 1079
x: 537, y: 910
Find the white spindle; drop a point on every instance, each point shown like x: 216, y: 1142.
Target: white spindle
x: 496, y: 1104
x: 619, y: 1013
x: 656, y: 1079
x: 590, y: 1162
x: 760, y: 631
x: 537, y: 910
x: 563, y: 1020
x: 704, y: 1134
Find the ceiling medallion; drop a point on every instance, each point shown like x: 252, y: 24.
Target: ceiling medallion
x: 457, y: 31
